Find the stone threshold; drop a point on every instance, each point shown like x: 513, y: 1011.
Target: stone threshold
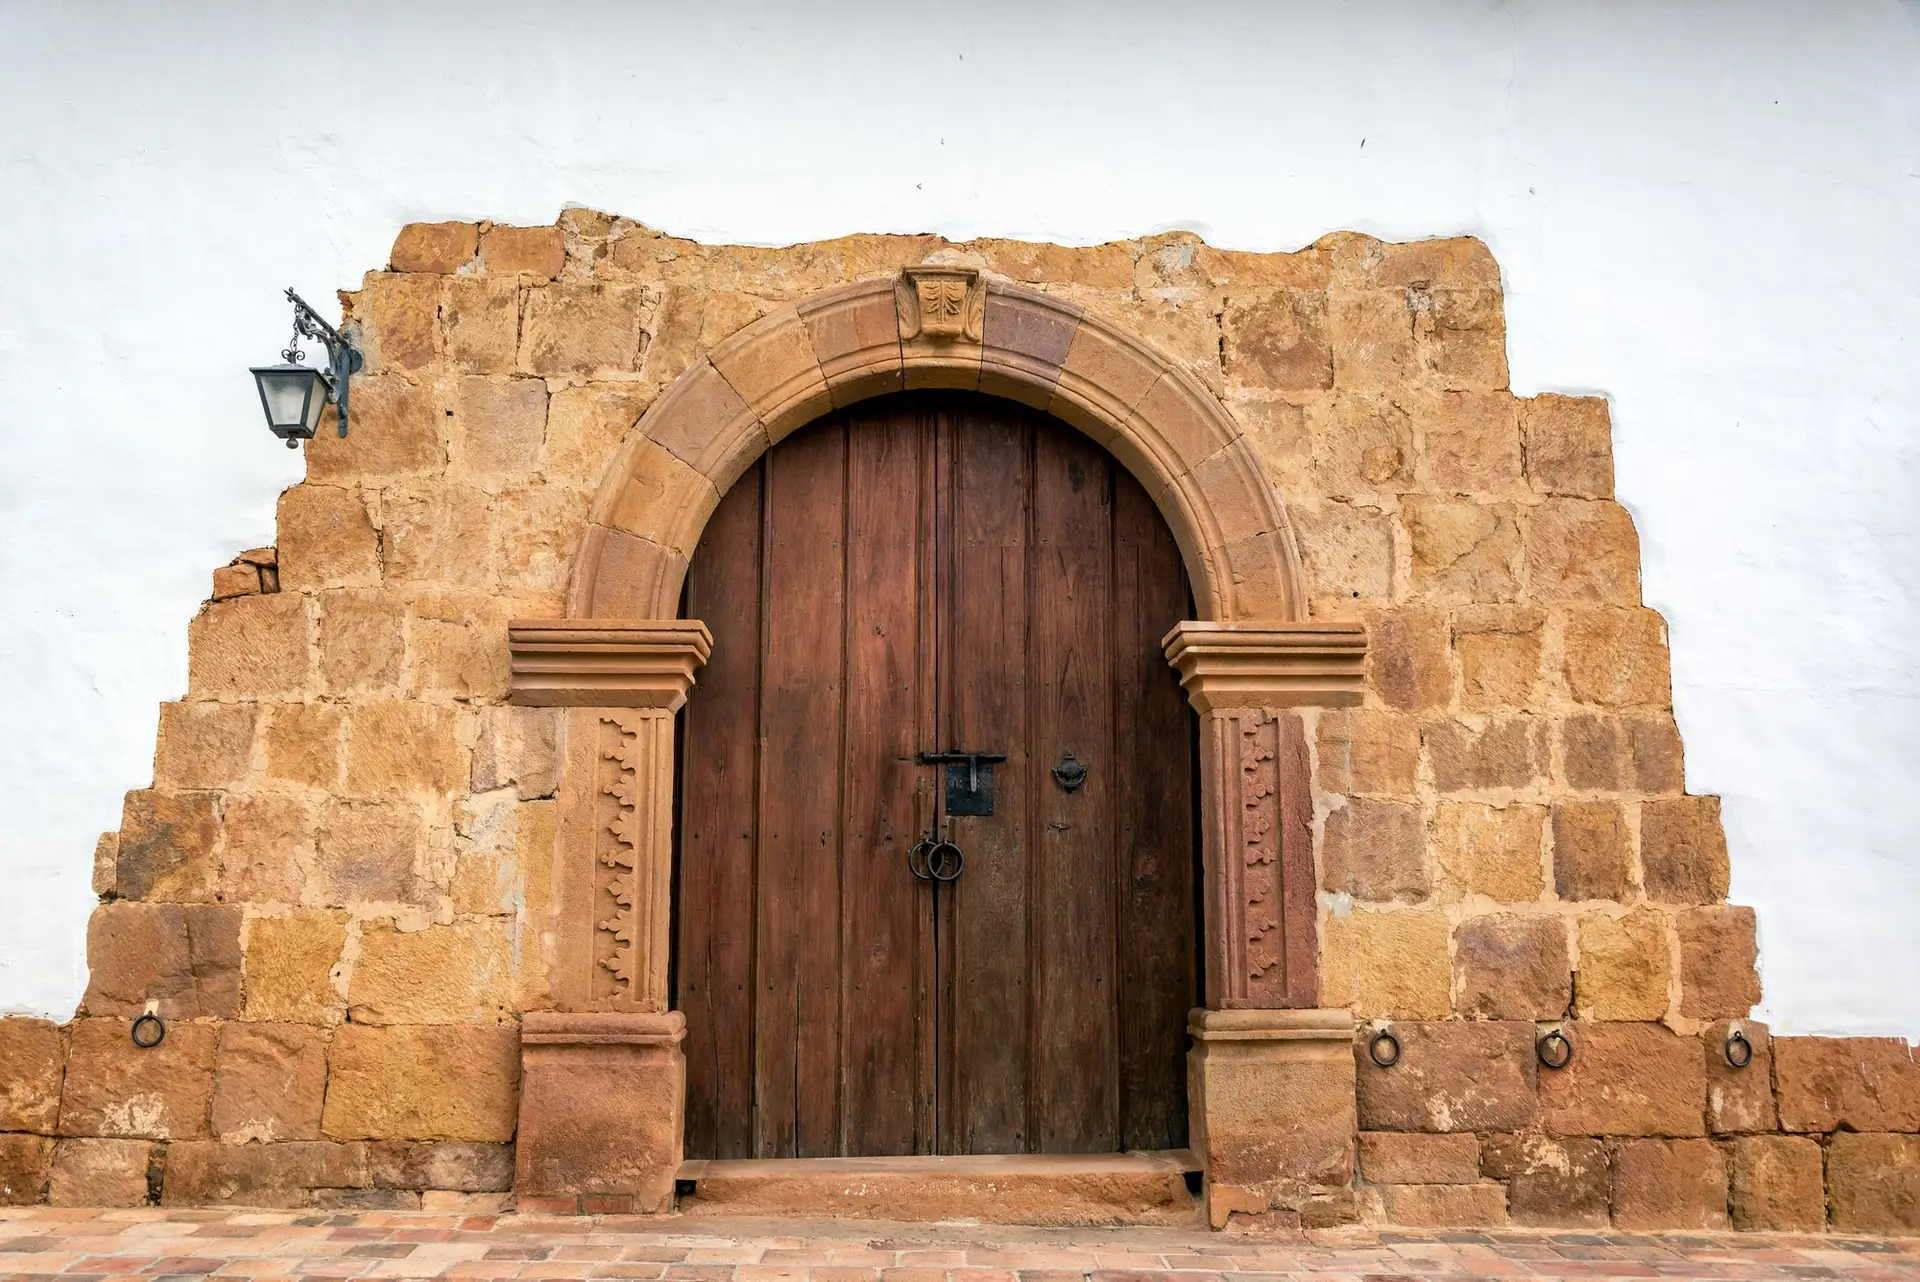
x: 1046, y: 1189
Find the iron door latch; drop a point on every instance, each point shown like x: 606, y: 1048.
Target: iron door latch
x: 969, y: 779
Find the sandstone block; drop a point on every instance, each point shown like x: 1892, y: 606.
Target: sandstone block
x: 1445, y: 1205
x: 167, y: 847
x: 585, y: 425
x: 1625, y: 966
x: 464, y: 659
x: 1718, y: 956
x: 455, y: 1165
x: 1625, y: 1079
x: 24, y: 1160
x: 211, y: 1173
x: 1453, y: 1076
x: 184, y: 956
x: 1462, y: 337
x: 1511, y: 967
x: 1846, y: 1083
x: 1470, y: 443
x: 268, y: 1082
x: 1569, y: 445
x: 1362, y: 444
x: 1277, y: 431
x: 584, y: 328
x: 289, y: 965
x: 1616, y: 657
x: 1683, y: 851
x: 1670, y: 1184
x: 1590, y: 851
x: 1582, y: 550
x: 480, y: 321
x: 269, y: 847
x: 517, y: 749
x: 1363, y: 751
x: 1498, y: 648
x: 1277, y: 340
x: 203, y: 745
x: 1400, y: 1157
x: 1407, y: 660
x: 399, y: 318
x: 1375, y: 851
x: 100, y: 1173
x: 447, y: 1082
x: 439, y: 975
x: 1739, y: 1100
x: 398, y: 747
x: 230, y: 581
x: 603, y: 1108
x: 437, y: 538
x: 31, y: 1066
x: 1504, y: 752
x: 1348, y: 550
x: 366, y: 853
x: 1634, y: 752
x: 106, y: 859
x: 434, y: 247
x: 1463, y: 553
x: 396, y: 432
x: 360, y: 643
x: 116, y: 1089
x: 537, y: 533
x: 304, y: 746
x: 252, y: 647
x: 1778, y: 1185
x: 1873, y: 1183
x: 1373, y: 343
x: 534, y: 251
x: 1399, y: 964
x: 1550, y: 1182
x: 327, y: 539
x: 1653, y: 752
x: 1488, y: 850
x: 499, y: 426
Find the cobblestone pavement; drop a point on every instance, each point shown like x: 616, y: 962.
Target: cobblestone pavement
x: 37, y: 1242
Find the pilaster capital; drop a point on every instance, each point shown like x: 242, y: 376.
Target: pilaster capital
x: 606, y: 663
x: 1205, y: 1025
x: 1269, y: 665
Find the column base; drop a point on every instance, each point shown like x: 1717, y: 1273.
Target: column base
x: 602, y: 1108
x: 1270, y: 1111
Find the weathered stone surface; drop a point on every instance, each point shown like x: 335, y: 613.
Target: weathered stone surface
x: 1277, y: 340
x: 1739, y: 1100
x: 289, y: 967
x: 396, y: 432
x: 499, y: 426
x: 1511, y: 967
x: 1778, y: 1185
x: 1375, y: 851
x: 1361, y: 444
x: 1846, y: 1083
x: 1463, y: 552
x: 1718, y: 956
x: 1625, y: 1079
x: 1445, y: 1205
x: 24, y: 1160
x: 1683, y: 850
x: 1407, y: 660
x: 326, y: 539
x: 1569, y: 445
x: 1453, y: 1076
x: 100, y: 1173
x: 212, y: 1173
x: 433, y: 247
x: 1488, y: 850
x: 252, y: 647
x: 31, y: 1066
x: 457, y: 648
x: 1670, y: 1184
x: 366, y: 853
x: 437, y: 538
x: 480, y: 323
x: 1625, y: 966
x: 517, y: 749
x: 1363, y: 751
x: 399, y: 316
x: 268, y: 1082
x: 1633, y: 752
x: 455, y: 1165
x: 534, y: 251
x: 167, y: 847
x: 1591, y: 858
x: 106, y: 860
x: 396, y: 747
x: 584, y: 328
x: 1403, y: 1157
x: 586, y: 424
x: 1582, y: 550
x: 268, y: 848
x: 1616, y: 658
x: 603, y: 1107
x: 230, y: 581
x: 1388, y: 963
x: 537, y: 531
x: 439, y: 975
x: 1507, y: 752
x: 1470, y: 443
x: 1462, y: 337
x: 1873, y: 1182
x: 1498, y: 648
x: 448, y: 1082
x: 1348, y: 550
x: 1550, y: 1182
x: 360, y: 643
x: 203, y: 745
x: 184, y: 956
x: 115, y: 1088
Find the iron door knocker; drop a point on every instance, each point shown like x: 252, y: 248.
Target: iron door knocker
x: 1070, y: 774
x: 932, y: 860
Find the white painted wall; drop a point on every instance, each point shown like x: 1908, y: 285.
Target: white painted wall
x: 1707, y: 212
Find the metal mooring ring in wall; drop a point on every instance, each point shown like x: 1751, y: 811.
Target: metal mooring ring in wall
x: 156, y: 1032
x: 1554, y: 1049
x: 1739, y: 1050
x: 1388, y: 1057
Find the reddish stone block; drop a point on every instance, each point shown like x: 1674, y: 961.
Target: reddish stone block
x: 1626, y: 1079
x: 167, y: 847
x: 1407, y: 659
x: 212, y: 1173
x: 1376, y: 851
x: 535, y: 251
x: 601, y: 1107
x: 1873, y: 1183
x: 1683, y: 852
x: 1846, y: 1083
x: 1508, y: 752
x: 1718, y: 960
x: 433, y: 247
x: 1453, y: 1075
x: 1670, y: 1184
x: 1778, y: 1185
x: 24, y: 1163
x: 1739, y: 1100
x: 1511, y: 967
x: 184, y: 956
x: 1591, y: 852
x: 1550, y: 1183
x: 1467, y: 1206
x: 454, y: 1165
x: 269, y: 1082
x: 115, y: 1088
x: 1392, y: 1157
x: 31, y: 1066
x: 100, y: 1172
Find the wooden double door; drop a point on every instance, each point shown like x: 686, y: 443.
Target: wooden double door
x: 922, y: 574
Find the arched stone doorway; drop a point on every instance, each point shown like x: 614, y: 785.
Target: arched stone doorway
x: 604, y: 1079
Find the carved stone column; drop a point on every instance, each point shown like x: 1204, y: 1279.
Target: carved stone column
x: 1270, y: 1079
x: 603, y: 1080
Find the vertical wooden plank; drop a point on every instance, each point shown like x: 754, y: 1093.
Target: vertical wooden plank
x: 1153, y: 756
x: 988, y: 704
x: 796, y: 1015
x: 879, y: 945
x: 714, y: 951
x: 1075, y: 1081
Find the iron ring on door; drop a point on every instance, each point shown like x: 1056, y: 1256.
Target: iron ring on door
x: 931, y: 860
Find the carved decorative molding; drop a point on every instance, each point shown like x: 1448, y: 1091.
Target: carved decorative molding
x: 1269, y: 665
x: 941, y: 305
x: 605, y: 663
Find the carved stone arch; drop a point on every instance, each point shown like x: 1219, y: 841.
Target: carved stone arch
x: 951, y: 328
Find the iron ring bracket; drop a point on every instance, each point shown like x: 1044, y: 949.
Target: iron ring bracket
x: 1744, y: 1055
x: 917, y: 862
x: 149, y: 1041
x: 1374, y: 1053
x: 1554, y: 1049
x: 945, y: 861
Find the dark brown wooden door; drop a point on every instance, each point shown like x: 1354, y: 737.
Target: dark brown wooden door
x: 924, y: 573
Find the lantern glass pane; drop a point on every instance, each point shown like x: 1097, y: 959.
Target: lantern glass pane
x: 321, y: 387
x: 286, y: 390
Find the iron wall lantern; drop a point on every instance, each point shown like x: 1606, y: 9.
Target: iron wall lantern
x: 293, y: 395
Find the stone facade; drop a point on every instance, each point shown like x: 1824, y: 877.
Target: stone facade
x: 348, y: 882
